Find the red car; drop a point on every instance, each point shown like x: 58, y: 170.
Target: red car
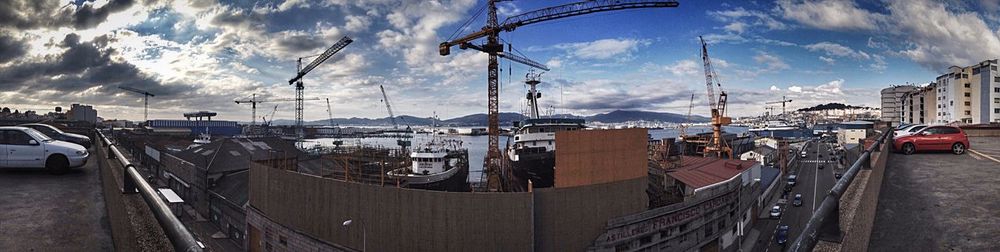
x: 938, y: 138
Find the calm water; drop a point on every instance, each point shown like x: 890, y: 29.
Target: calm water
x: 477, y: 144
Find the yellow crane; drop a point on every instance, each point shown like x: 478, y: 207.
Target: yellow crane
x: 717, y: 145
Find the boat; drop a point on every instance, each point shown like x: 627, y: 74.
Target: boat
x: 440, y: 165
x: 779, y: 128
x: 532, y: 154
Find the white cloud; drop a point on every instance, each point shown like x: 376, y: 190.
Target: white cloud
x: 741, y: 19
x: 775, y: 88
x: 737, y: 27
x: 796, y: 89
x: 684, y: 68
x: 834, y: 49
x: 770, y: 62
x: 938, y: 37
x: 828, y: 60
x: 603, y: 49
x: 830, y: 14
x: 356, y: 23
x: 554, y: 63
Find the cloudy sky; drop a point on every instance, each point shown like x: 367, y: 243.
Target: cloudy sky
x: 203, y: 54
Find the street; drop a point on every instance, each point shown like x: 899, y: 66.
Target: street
x: 812, y: 183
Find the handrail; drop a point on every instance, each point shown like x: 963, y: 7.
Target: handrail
x: 180, y: 237
x: 810, y: 235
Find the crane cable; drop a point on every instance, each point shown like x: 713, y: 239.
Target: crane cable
x: 467, y: 22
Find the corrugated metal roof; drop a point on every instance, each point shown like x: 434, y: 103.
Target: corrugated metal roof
x: 698, y: 172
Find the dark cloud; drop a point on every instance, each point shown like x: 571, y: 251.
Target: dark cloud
x: 11, y: 48
x: 30, y: 14
x: 299, y: 43
x: 237, y: 18
x: 82, y: 66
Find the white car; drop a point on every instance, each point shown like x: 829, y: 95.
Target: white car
x: 22, y: 147
x: 909, y: 130
x: 775, y: 212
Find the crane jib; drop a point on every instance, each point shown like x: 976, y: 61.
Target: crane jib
x: 322, y: 57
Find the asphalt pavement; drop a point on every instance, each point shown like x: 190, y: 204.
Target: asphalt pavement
x: 940, y: 201
x: 44, y: 212
x: 813, y: 183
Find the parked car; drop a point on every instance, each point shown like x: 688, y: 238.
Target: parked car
x: 22, y: 147
x: 803, y: 154
x: 782, y: 236
x: 57, y: 134
x: 791, y: 179
x: 909, y: 130
x: 939, y: 138
x: 837, y: 175
x: 821, y: 167
x: 798, y: 200
x: 775, y: 212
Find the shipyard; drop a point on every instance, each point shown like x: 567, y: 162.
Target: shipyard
x: 499, y: 125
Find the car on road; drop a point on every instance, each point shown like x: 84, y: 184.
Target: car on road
x: 798, y: 200
x: 821, y: 167
x: 791, y: 179
x: 803, y: 154
x: 934, y: 138
x: 782, y: 237
x: 775, y: 212
x: 837, y: 175
x: 57, y: 134
x: 22, y: 147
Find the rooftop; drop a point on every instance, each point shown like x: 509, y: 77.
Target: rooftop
x: 698, y: 172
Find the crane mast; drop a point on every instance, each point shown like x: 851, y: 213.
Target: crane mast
x: 493, y: 48
x: 717, y: 145
x: 388, y: 107
x: 145, y: 100
x: 782, y: 101
x: 688, y: 118
x: 302, y: 71
x: 329, y: 111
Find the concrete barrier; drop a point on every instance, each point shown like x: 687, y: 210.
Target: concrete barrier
x: 133, y: 227
x: 859, y: 204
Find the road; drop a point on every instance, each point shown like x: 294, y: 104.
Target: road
x: 44, y: 212
x: 812, y: 183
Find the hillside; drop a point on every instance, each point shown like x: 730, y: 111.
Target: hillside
x: 506, y: 118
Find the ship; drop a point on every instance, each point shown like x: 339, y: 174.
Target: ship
x: 438, y: 166
x: 779, y: 128
x: 532, y: 154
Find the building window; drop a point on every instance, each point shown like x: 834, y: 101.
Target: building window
x: 968, y: 85
x: 996, y: 79
x: 997, y: 111
x: 283, y: 240
x: 996, y: 90
x: 965, y: 76
x: 968, y: 103
x: 968, y: 112
x: 967, y: 94
x: 994, y: 68
x: 996, y: 100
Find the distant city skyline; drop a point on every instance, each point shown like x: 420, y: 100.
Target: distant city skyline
x: 202, y: 55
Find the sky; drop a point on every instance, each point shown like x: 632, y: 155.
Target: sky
x: 204, y: 54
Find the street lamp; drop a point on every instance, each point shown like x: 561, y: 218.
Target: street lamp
x: 364, y: 235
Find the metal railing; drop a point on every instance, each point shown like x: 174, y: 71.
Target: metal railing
x: 827, y: 216
x: 179, y: 236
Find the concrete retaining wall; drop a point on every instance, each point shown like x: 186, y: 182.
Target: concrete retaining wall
x: 133, y: 227
x: 858, y: 206
x: 982, y: 132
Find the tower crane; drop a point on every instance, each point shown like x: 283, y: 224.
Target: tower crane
x: 329, y: 111
x: 145, y: 100
x: 688, y: 118
x: 388, y: 107
x: 264, y: 118
x: 782, y: 101
x: 253, y: 101
x: 495, y: 49
x: 302, y: 71
x: 717, y: 145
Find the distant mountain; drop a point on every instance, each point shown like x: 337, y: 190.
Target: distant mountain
x: 506, y: 118
x: 830, y: 106
x: 620, y: 116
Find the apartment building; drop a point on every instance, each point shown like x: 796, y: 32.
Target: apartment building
x: 969, y: 95
x: 920, y: 106
x: 892, y: 102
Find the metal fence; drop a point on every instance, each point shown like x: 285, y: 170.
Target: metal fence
x: 827, y: 216
x: 179, y: 236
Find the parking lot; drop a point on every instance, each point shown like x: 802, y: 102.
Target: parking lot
x: 940, y: 201
x: 44, y: 212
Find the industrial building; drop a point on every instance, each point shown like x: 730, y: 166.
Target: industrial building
x: 197, y: 126
x: 852, y: 132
